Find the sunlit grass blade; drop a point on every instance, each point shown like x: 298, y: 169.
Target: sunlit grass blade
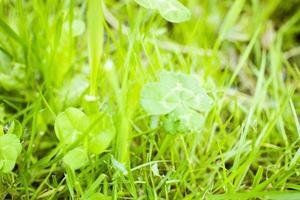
x: 11, y: 33
x: 95, y: 41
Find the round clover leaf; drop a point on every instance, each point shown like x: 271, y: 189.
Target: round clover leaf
x: 10, y: 148
x: 102, y: 133
x: 76, y: 158
x: 149, y: 4
x: 70, y: 124
x: 171, y: 10
x: 155, y: 99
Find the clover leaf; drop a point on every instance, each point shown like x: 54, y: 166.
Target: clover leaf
x: 72, y: 91
x: 188, y: 119
x: 155, y: 99
x: 102, y: 133
x: 70, y: 125
x: 10, y: 148
x: 149, y: 4
x: 171, y: 10
x: 76, y: 158
x: 179, y: 98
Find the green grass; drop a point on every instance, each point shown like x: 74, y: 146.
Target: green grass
x: 246, y: 54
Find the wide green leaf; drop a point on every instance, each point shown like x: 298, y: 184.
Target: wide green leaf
x: 10, y: 148
x: 76, y: 158
x: 70, y: 124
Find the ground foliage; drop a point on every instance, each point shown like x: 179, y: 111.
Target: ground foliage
x: 137, y: 99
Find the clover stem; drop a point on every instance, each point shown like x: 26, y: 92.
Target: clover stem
x: 187, y: 157
x: 165, y: 145
x: 122, y: 140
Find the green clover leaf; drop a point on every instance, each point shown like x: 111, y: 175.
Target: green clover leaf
x: 72, y: 91
x: 155, y: 101
x: 10, y: 148
x: 70, y: 124
x: 102, y: 134
x: 76, y: 158
x: 171, y: 10
x: 188, y: 119
x: 149, y: 4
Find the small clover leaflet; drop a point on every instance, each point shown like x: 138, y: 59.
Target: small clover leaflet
x: 72, y: 124
x: 171, y: 10
x: 179, y: 98
x: 76, y: 158
x: 10, y: 148
x: 149, y: 4
x: 72, y: 91
x: 101, y: 134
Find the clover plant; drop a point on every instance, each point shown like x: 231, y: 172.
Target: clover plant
x: 179, y: 100
x: 171, y: 10
x: 93, y: 133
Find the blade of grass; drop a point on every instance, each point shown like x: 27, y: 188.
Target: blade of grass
x: 10, y: 32
x: 95, y: 41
